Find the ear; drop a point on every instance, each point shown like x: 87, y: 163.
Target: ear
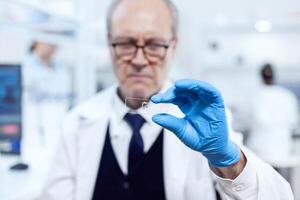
x: 174, y: 45
x: 109, y: 38
x: 175, y: 39
x: 109, y: 41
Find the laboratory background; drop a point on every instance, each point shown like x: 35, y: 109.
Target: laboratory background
x: 54, y: 55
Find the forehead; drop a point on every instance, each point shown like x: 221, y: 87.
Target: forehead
x: 47, y: 45
x: 147, y: 18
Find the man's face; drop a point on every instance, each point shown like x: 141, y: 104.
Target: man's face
x: 135, y: 23
x: 45, y: 49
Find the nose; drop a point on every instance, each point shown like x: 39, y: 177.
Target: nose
x: 139, y: 61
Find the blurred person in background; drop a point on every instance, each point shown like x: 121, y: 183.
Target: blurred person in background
x: 109, y: 151
x: 274, y: 117
x: 47, y: 92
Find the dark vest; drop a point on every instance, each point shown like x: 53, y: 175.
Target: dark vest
x: 146, y: 181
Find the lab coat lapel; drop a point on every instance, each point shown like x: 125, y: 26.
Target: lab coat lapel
x: 91, y: 137
x: 90, y: 147
x: 175, y: 166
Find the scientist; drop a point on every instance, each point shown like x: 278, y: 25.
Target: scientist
x: 111, y: 152
x: 47, y: 91
x: 274, y: 119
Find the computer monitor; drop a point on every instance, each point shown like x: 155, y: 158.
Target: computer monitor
x: 10, y: 109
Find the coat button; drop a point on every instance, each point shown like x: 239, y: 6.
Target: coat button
x: 126, y: 185
x: 239, y: 187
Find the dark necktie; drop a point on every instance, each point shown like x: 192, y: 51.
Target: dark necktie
x: 136, y: 145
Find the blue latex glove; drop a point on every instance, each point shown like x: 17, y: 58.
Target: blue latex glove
x: 204, y: 127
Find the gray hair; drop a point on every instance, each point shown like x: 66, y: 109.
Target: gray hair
x: 173, y: 9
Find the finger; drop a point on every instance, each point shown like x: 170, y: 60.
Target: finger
x: 182, y: 99
x: 166, y: 97
x: 170, y: 122
x: 200, y: 88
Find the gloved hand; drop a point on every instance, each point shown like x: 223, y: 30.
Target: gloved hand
x: 204, y: 127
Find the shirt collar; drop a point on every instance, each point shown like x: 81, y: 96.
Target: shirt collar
x: 120, y: 109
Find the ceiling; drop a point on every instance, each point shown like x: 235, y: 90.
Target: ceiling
x: 231, y: 16
x: 213, y: 11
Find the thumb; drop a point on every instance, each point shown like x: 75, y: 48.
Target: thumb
x: 170, y: 122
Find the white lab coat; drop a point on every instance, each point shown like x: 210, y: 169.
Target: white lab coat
x: 186, y: 172
x: 275, y: 115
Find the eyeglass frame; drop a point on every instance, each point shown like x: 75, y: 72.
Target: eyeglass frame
x: 137, y: 47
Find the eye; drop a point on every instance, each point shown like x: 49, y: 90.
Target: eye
x: 154, y: 47
x: 125, y: 46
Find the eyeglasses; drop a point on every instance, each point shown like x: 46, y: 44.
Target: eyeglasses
x: 128, y: 50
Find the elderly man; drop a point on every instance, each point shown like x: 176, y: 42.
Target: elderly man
x: 109, y: 151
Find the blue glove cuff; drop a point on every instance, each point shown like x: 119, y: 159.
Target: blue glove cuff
x: 227, y: 158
